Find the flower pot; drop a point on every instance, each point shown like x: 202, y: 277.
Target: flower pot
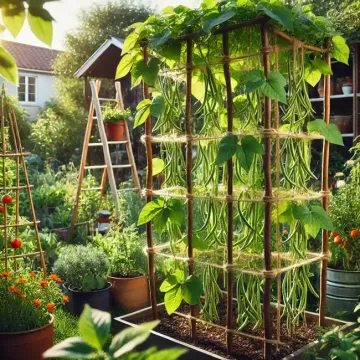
x: 29, y: 345
x: 130, y: 293
x: 115, y: 130
x: 62, y: 234
x: 347, y: 89
x: 97, y: 299
x: 342, y: 290
x: 343, y: 122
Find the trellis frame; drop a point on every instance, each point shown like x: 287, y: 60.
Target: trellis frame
x: 269, y: 133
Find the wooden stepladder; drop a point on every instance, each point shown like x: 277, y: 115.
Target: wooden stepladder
x: 108, y: 168
x: 12, y: 151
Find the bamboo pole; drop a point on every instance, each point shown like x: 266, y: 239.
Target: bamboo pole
x: 268, y: 196
x: 325, y: 190
x: 230, y: 215
x: 149, y: 186
x: 356, y: 90
x: 189, y: 166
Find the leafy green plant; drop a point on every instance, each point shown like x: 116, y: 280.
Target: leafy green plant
x: 95, y: 327
x: 83, y: 268
x: 177, y: 289
x: 113, y: 114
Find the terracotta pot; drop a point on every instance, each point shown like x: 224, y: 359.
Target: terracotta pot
x: 343, y: 122
x: 29, y: 345
x: 130, y: 293
x: 115, y: 130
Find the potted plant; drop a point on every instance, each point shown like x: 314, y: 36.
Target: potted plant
x: 127, y: 264
x: 84, y: 270
x: 60, y: 221
x: 114, y: 122
x: 343, y: 286
x: 27, y: 303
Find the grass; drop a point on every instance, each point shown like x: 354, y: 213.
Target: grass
x: 65, y: 326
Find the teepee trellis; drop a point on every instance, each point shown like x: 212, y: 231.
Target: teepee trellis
x: 9, y: 128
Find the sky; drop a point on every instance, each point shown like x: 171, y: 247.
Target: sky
x: 65, y: 13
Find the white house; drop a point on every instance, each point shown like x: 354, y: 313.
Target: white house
x: 36, y: 77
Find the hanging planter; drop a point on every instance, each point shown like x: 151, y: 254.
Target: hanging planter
x: 114, y: 122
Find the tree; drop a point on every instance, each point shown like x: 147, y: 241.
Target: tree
x: 14, y: 13
x: 96, y: 25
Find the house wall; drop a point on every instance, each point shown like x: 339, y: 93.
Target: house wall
x: 45, y: 91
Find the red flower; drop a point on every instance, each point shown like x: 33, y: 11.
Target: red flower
x: 37, y: 302
x: 32, y: 274
x: 22, y: 281
x: 55, y: 278
x: 50, y: 307
x: 13, y: 289
x: 23, y: 296
x: 5, y: 275
x: 66, y: 299
x: 43, y: 284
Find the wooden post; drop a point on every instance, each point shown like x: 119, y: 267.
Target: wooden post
x: 189, y: 166
x: 356, y: 90
x: 149, y: 187
x: 230, y: 215
x: 325, y: 190
x: 268, y: 197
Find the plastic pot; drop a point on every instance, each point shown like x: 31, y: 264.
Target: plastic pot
x: 97, y: 299
x: 29, y: 345
x: 347, y: 89
x: 115, y: 130
x: 130, y: 293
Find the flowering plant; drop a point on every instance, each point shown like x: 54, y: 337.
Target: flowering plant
x: 27, y: 299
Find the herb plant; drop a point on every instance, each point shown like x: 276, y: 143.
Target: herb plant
x: 83, y: 268
x: 112, y: 114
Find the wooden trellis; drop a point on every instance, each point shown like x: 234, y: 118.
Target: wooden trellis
x: 10, y: 137
x: 271, y: 135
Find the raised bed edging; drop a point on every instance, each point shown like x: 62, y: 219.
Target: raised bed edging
x: 162, y: 341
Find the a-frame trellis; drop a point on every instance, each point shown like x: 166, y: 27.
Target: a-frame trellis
x: 12, y: 151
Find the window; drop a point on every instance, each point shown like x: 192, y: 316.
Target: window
x: 27, y: 89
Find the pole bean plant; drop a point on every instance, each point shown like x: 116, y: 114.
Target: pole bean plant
x: 230, y: 109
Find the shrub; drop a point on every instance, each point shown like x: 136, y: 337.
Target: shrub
x: 83, y: 268
x: 113, y: 114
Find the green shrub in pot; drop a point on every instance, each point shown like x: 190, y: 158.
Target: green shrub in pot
x: 113, y: 114
x: 84, y: 269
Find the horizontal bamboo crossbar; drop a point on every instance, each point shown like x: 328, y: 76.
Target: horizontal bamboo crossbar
x: 15, y: 155
x: 30, y: 223
x: 22, y: 255
x: 240, y: 333
x: 22, y: 187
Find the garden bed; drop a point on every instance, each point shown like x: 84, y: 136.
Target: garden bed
x: 211, y: 341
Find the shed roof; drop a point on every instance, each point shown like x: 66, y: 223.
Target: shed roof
x: 103, y: 63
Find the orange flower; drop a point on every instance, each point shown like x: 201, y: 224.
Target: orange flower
x: 23, y: 296
x: 22, y: 281
x: 32, y: 274
x: 5, y: 275
x: 50, y: 307
x: 55, y: 278
x: 37, y: 302
x: 13, y: 289
x: 66, y: 299
x: 58, y: 280
x: 43, y: 284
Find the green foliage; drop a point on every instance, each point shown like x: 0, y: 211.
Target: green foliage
x: 143, y: 111
x: 65, y: 326
x: 124, y: 250
x: 330, y: 132
x: 177, y: 289
x: 94, y: 327
x: 83, y: 268
x: 17, y: 294
x: 112, y: 114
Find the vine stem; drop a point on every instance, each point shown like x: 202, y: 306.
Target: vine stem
x: 149, y: 186
x: 268, y: 195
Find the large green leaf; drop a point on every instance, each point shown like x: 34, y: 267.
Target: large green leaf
x: 192, y: 290
x: 143, y: 112
x: 72, y: 348
x: 217, y: 19
x: 322, y: 66
x: 173, y: 299
x: 161, y: 219
x: 130, y: 42
x: 167, y: 354
x: 8, y: 68
x: 124, y: 66
x: 159, y: 39
x: 158, y: 105
x: 209, y: 4
x: 227, y: 149
x: 279, y: 13
x: 171, y: 51
x: 320, y: 214
x: 13, y: 17
x: 330, y: 132
x: 177, y: 211
x: 94, y: 326
x: 158, y: 166
x: 341, y: 51
x: 274, y: 87
x: 255, y: 79
x: 312, y: 75
x: 245, y: 153
x: 128, y: 339
x: 150, y: 210
x: 151, y: 71
x: 197, y: 243
x: 169, y: 283
x: 40, y: 22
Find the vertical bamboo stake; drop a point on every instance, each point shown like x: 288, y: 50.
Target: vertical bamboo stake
x: 189, y: 165
x: 268, y: 197
x: 149, y: 186
x: 356, y: 90
x: 3, y: 139
x: 230, y: 285
x: 325, y: 190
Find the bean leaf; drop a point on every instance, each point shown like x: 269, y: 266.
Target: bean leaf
x: 72, y: 348
x: 197, y: 243
x: 217, y: 19
x: 159, y: 39
x: 274, y: 87
x: 322, y: 66
x: 143, y: 111
x: 192, y: 290
x: 157, y: 107
x: 312, y: 75
x: 279, y: 13
x: 150, y: 210
x: 161, y: 219
x: 173, y: 299
x: 177, y: 212
x: 158, y: 166
x: 13, y: 16
x: 245, y: 153
x: 8, y: 68
x: 130, y: 42
x: 330, y: 132
x: 40, y: 22
x: 124, y: 66
x: 255, y: 79
x: 169, y: 283
x: 341, y: 51
x: 227, y: 149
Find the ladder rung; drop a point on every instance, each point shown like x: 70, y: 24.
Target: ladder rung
x: 91, y: 189
x: 95, y: 167
x: 121, y: 166
x: 104, y: 99
x: 109, y: 143
x: 127, y: 189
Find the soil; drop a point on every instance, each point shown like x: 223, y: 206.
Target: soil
x: 213, y: 339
